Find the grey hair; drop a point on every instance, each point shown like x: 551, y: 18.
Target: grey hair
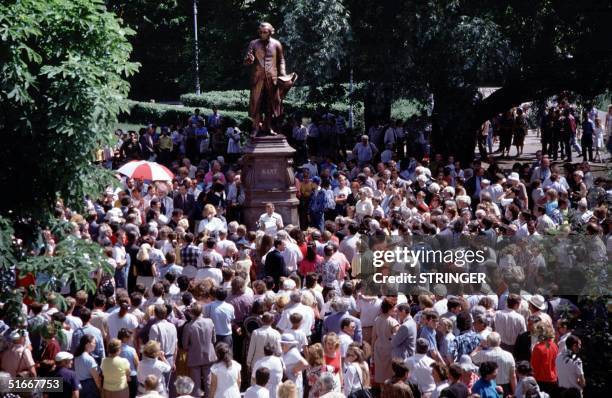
x: 184, y: 385
x: 267, y: 25
x: 326, y: 383
x: 494, y: 339
x: 295, y: 297
x: 340, y: 304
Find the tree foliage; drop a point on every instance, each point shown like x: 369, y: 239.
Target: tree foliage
x: 531, y: 50
x: 162, y: 32
x: 315, y: 35
x: 61, y: 87
x: 62, y: 70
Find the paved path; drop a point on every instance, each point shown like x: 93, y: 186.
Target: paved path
x: 532, y: 144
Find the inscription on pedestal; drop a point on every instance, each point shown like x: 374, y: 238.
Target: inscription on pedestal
x: 268, y: 177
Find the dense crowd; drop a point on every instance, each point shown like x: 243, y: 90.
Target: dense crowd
x: 200, y: 305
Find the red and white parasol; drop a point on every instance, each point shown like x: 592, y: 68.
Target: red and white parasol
x: 146, y: 170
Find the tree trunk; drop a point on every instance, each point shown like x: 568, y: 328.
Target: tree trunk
x: 377, y: 103
x: 453, y: 131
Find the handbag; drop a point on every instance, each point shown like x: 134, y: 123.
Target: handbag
x: 362, y: 392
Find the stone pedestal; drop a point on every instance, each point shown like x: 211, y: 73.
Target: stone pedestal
x: 267, y: 176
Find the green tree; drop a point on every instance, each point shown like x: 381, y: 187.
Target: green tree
x: 163, y: 35
x: 532, y: 51
x: 315, y: 36
x: 62, y: 70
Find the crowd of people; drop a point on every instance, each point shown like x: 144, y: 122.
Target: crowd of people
x: 201, y: 305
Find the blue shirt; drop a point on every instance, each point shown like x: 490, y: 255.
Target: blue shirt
x: 83, y: 365
x: 486, y: 389
x: 464, y: 344
x: 98, y: 352
x: 128, y: 352
x: 70, y: 383
x: 222, y: 315
x: 429, y: 334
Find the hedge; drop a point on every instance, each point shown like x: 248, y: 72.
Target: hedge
x: 238, y: 100
x: 150, y: 112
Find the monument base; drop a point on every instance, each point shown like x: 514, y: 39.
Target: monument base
x: 268, y: 177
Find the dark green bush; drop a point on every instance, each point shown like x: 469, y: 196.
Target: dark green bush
x: 150, y: 112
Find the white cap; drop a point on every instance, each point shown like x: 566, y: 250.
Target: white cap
x: 514, y: 176
x: 62, y: 356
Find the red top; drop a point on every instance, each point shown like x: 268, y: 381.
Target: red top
x: 307, y: 266
x: 51, y: 350
x: 303, y: 248
x: 543, y: 359
x: 334, y: 361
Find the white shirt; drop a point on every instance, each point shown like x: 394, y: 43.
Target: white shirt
x: 256, y: 391
x: 368, y: 308
x: 509, y: 324
x: 345, y: 341
x: 440, y: 306
x: 276, y: 367
x: 348, y: 246
x: 212, y: 225
x: 420, y: 372
x: 115, y: 323
x: 568, y: 370
x: 503, y: 359
x: 165, y: 333
x: 292, y: 256
x: 353, y: 378
x: 152, y: 366
x: 307, y: 318
x: 271, y: 223
x: 208, y: 272
x: 259, y: 338
x: 436, y: 393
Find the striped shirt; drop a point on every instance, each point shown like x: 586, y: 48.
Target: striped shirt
x: 503, y: 359
x: 509, y: 324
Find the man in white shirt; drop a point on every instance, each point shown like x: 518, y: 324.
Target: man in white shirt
x: 569, y: 367
x: 348, y: 246
x: 261, y: 336
x: 420, y: 368
x: 284, y: 324
x: 504, y: 360
x: 347, y: 331
x: 509, y: 323
x: 258, y: 389
x: 292, y: 253
x: 274, y: 364
x: 270, y: 222
x: 208, y: 271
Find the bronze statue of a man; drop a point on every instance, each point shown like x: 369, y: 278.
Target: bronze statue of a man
x: 269, y: 80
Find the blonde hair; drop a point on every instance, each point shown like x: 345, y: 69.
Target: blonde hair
x: 282, y: 302
x: 143, y: 252
x: 114, y: 346
x: 333, y: 339
x: 446, y: 324
x: 210, y: 209
x: 315, y: 355
x: 544, y: 331
x: 151, y: 349
x: 288, y: 389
